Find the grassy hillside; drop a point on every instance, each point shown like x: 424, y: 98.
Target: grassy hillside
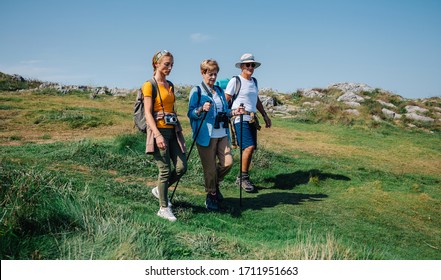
x: 75, y: 184
x: 16, y: 82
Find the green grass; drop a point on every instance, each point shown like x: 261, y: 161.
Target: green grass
x: 326, y: 191
x: 93, y: 204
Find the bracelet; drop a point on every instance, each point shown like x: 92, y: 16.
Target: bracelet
x: 157, y: 135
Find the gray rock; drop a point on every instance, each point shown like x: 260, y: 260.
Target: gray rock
x: 390, y: 105
x: 390, y: 114
x: 101, y: 91
x: 313, y: 104
x: 351, y: 87
x: 350, y: 97
x: 352, y: 111
x: 312, y: 93
x: 353, y: 104
x: 18, y: 78
x: 376, y: 118
x: 267, y: 101
x: 415, y: 109
x: 120, y: 91
x: 416, y: 117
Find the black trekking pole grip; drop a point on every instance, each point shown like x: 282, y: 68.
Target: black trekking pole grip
x: 191, y: 148
x: 241, y: 151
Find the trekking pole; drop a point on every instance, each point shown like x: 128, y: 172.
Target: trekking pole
x: 191, y: 148
x: 241, y: 151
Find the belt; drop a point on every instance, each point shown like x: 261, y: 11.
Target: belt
x: 246, y: 113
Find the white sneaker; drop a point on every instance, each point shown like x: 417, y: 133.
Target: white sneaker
x: 155, y: 193
x: 166, y: 213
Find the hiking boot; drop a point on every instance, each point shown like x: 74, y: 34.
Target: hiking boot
x: 166, y: 213
x: 244, y: 177
x: 211, y: 202
x: 246, y: 184
x: 219, y: 196
x: 155, y: 192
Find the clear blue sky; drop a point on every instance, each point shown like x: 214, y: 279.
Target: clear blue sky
x: 389, y: 44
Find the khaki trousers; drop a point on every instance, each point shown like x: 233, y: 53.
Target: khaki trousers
x: 165, y: 159
x: 216, y: 160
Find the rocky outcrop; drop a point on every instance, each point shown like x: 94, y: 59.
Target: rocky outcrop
x: 351, y: 87
x: 94, y: 91
x: 312, y: 93
x: 351, y: 98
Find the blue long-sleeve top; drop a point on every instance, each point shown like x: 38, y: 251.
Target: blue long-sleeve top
x: 205, y: 132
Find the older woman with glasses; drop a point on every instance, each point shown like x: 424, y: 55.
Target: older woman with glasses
x: 164, y: 134
x: 208, y: 112
x: 248, y: 95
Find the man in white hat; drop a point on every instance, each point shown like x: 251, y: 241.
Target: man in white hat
x: 243, y: 89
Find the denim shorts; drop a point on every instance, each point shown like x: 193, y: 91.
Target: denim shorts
x: 249, y: 136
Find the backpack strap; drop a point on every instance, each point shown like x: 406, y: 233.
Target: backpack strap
x: 236, y: 93
x: 199, y: 94
x: 255, y: 81
x: 154, y: 90
x: 239, y: 84
x: 199, y: 91
x: 217, y: 87
x: 172, y: 86
x: 173, y: 91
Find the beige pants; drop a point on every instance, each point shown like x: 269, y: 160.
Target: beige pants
x: 215, y: 169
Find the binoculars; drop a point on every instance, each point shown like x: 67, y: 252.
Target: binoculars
x: 221, y: 117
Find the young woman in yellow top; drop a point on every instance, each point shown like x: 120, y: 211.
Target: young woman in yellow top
x: 169, y: 147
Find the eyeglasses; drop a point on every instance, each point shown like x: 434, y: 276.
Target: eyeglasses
x: 211, y: 74
x: 160, y: 54
x: 248, y: 65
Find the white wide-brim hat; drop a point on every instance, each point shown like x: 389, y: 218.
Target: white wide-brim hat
x: 247, y: 58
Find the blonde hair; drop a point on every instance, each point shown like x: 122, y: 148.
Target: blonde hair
x: 158, y: 57
x: 209, y: 65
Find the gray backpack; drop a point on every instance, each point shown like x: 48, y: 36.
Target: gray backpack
x: 138, y: 112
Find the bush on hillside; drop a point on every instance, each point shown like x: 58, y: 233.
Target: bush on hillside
x: 15, y: 82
